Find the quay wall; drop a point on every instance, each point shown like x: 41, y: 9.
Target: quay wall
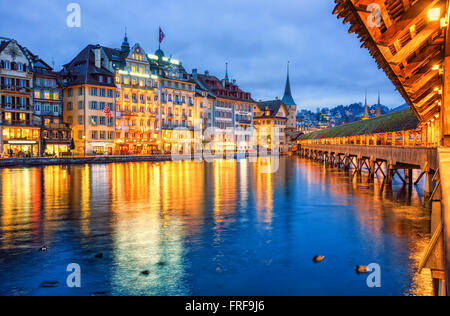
x: 30, y: 162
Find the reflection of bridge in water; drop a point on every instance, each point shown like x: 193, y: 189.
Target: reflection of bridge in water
x: 410, y: 41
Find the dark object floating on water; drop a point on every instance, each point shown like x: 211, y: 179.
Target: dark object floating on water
x: 361, y: 269
x: 99, y: 256
x: 49, y: 284
x: 146, y: 272
x: 162, y: 264
x: 100, y: 294
x: 318, y: 259
x: 43, y: 248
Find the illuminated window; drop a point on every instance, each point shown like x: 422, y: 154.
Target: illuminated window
x: 133, y: 69
x: 37, y: 94
x: 141, y: 70
x: 47, y: 95
x: 126, y: 80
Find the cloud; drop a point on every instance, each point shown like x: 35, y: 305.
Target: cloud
x: 257, y: 39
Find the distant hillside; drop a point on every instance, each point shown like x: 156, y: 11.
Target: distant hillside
x: 399, y: 108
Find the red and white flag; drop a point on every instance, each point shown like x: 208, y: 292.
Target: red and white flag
x: 161, y: 35
x: 107, y: 111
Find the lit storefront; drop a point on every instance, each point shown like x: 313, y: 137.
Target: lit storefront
x: 21, y: 142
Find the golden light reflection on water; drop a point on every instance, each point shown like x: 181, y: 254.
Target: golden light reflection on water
x: 149, y: 209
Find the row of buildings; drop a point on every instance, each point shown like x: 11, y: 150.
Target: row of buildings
x: 123, y: 101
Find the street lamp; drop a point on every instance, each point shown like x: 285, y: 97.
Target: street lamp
x: 84, y: 139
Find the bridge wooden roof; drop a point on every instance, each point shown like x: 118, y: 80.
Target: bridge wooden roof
x: 403, y: 120
x: 405, y: 44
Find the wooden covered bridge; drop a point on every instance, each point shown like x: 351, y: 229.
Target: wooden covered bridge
x: 410, y: 41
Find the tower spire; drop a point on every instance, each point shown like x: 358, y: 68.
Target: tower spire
x: 366, y: 109
x: 125, y: 45
x: 379, y: 105
x: 226, y: 72
x: 288, y: 99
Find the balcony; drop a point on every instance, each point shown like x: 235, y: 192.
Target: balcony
x: 17, y: 107
x: 21, y: 123
x: 15, y: 89
x: 57, y: 126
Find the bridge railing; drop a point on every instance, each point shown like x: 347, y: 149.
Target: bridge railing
x: 411, y: 138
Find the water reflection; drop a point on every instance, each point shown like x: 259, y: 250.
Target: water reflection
x: 224, y: 228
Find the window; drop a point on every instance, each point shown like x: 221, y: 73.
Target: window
x: 80, y: 134
x: 69, y: 106
x: 102, y: 120
x: 94, y: 135
x: 80, y: 91
x: 94, y: 120
x: 80, y: 105
x: 102, y: 92
x: 80, y: 120
x: 94, y: 91
x: 110, y: 93
x: 102, y: 106
x: 93, y: 105
x: 70, y: 119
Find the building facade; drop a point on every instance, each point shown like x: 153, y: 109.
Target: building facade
x: 19, y: 129
x: 232, y: 115
x: 89, y: 90
x: 47, y: 94
x: 271, y: 120
x: 176, y: 96
x: 136, y: 101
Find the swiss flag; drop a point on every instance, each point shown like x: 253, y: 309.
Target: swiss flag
x: 107, y: 112
x: 161, y: 35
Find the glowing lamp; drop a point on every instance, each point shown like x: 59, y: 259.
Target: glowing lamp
x: 434, y: 14
x: 435, y: 67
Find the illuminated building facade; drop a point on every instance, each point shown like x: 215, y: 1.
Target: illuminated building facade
x: 137, y: 104
x: 89, y: 89
x: 271, y: 117
x: 232, y: 109
x: 176, y: 96
x: 47, y: 93
x: 19, y: 129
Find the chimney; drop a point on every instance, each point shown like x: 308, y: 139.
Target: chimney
x: 206, y: 72
x: 194, y: 73
x: 98, y: 56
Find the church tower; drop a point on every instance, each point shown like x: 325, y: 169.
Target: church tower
x: 379, y: 105
x: 289, y: 102
x: 366, y: 110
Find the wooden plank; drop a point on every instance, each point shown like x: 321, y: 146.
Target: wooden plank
x: 414, y: 43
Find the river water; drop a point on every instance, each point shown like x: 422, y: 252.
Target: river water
x: 223, y: 228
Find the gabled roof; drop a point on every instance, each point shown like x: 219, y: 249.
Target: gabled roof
x: 221, y: 89
x: 82, y: 69
x: 273, y: 107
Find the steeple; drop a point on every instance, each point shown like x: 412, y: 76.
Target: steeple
x: 366, y: 110
x: 288, y: 99
x: 226, y: 72
x: 379, y: 105
x: 125, y: 45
